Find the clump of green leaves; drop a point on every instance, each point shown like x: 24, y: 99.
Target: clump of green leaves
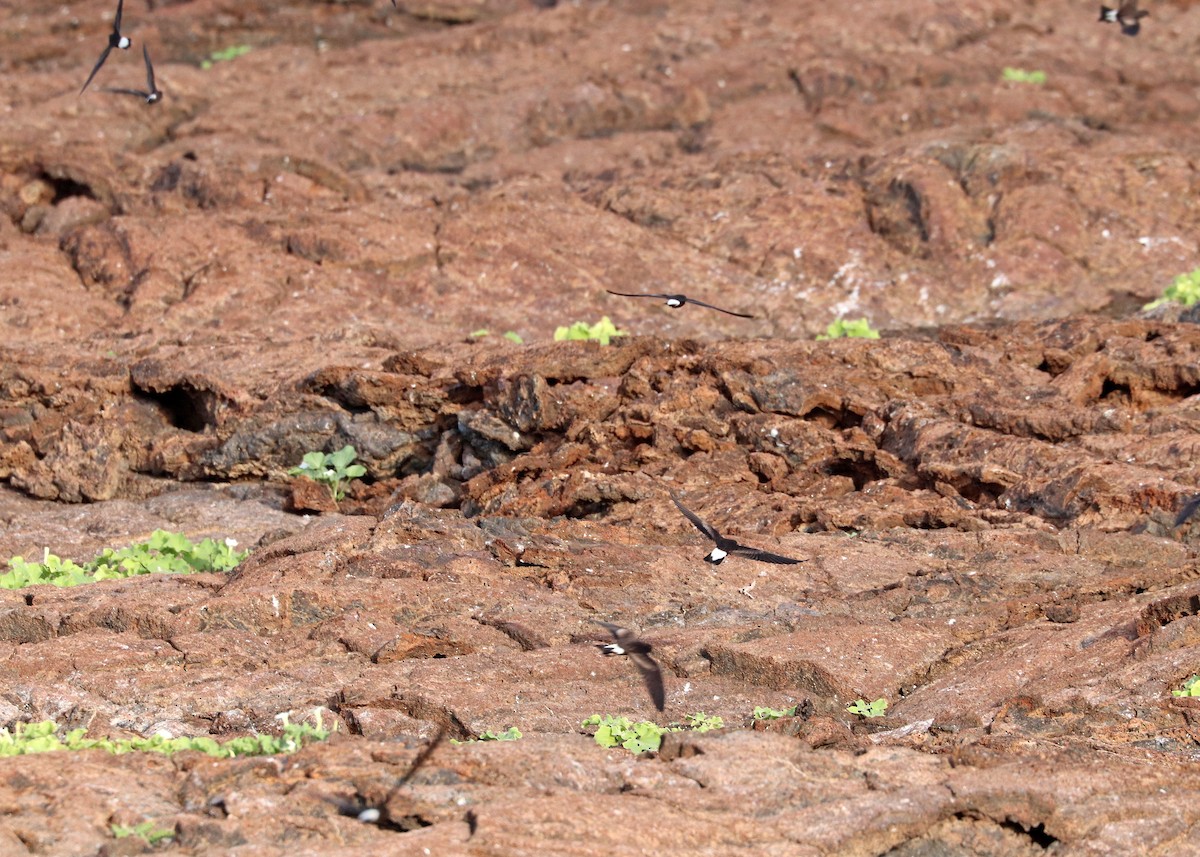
x: 859, y: 328
x: 230, y: 53
x: 163, y: 553
x: 1184, y: 289
x: 644, y: 735
x: 146, y: 831
x: 602, y: 331
x: 510, y: 335
x: 510, y: 734
x: 762, y: 712
x: 1191, y: 687
x: 332, y: 469
x: 43, y: 737
x: 868, y: 709
x: 1020, y: 75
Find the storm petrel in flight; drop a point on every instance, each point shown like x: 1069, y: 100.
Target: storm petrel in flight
x: 115, y: 40
x: 377, y: 814
x: 1128, y: 15
x: 1189, y: 509
x: 724, y: 547
x: 676, y: 301
x: 154, y: 94
x: 626, y: 643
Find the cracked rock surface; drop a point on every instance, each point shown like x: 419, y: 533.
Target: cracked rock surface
x: 290, y: 253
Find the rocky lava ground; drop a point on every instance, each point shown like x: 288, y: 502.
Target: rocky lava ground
x: 289, y: 252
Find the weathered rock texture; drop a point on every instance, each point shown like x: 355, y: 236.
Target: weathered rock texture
x: 290, y: 252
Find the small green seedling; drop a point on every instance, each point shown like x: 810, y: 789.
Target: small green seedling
x: 163, y: 553
x: 1184, y: 289
x: 868, y: 709
x: 146, y: 831
x: 510, y: 734
x: 331, y: 468
x: 1191, y: 687
x: 623, y: 732
x: 602, y: 331
x: 1020, y: 75
x: 859, y: 328
x: 43, y: 737
x: 762, y: 712
x: 230, y: 53
x: 644, y: 736
x: 510, y: 335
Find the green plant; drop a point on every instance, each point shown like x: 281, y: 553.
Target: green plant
x: 163, y: 553
x: 1184, y: 289
x: 330, y: 468
x: 1020, y: 75
x: 859, y: 328
x: 868, y: 709
x: 1191, y: 687
x: 510, y: 734
x: 762, y: 712
x: 510, y: 335
x: 230, y: 53
x: 150, y: 834
x: 602, y: 331
x: 644, y: 735
x: 623, y: 732
x: 43, y: 737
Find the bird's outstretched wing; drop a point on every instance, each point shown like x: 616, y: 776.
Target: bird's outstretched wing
x: 637, y: 295
x: 709, y: 531
x: 763, y: 556
x: 1189, y: 509
x: 150, y: 87
x: 103, y: 56
x: 719, y: 309
x: 651, y: 675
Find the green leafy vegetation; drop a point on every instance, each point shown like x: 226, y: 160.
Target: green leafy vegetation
x: 1184, y: 289
x: 331, y: 469
x: 1191, y: 687
x: 602, y: 331
x: 230, y: 53
x: 163, y: 553
x: 510, y: 335
x: 868, y: 709
x: 44, y: 737
x: 146, y: 831
x: 510, y: 734
x: 644, y: 735
x: 762, y: 712
x: 859, y: 328
x: 1020, y: 75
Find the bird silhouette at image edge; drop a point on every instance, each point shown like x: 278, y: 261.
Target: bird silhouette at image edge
x: 626, y: 643
x: 153, y: 95
x: 115, y: 40
x: 724, y: 547
x: 676, y: 301
x: 1189, y: 509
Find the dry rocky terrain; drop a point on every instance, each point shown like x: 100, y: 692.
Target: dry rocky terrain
x: 289, y: 253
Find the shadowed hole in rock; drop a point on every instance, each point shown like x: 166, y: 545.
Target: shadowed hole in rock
x: 589, y: 508
x: 1112, y: 391
x: 839, y: 419
x: 977, y: 491
x: 465, y: 394
x: 66, y: 187
x: 184, y: 406
x: 860, y: 472
x: 1037, y: 834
